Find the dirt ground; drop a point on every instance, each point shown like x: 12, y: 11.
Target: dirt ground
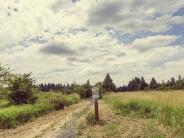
x: 49, y: 125
x: 71, y: 123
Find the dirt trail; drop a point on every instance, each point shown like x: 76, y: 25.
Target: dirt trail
x: 49, y: 125
x: 66, y: 124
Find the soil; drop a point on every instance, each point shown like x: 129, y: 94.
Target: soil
x: 71, y: 123
x: 50, y: 125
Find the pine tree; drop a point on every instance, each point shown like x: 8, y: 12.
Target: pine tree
x: 153, y: 84
x: 143, y: 84
x: 172, y: 82
x: 108, y: 84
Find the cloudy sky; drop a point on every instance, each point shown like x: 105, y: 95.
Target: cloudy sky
x: 75, y: 40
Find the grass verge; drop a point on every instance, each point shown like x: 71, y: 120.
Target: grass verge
x: 14, y: 115
x: 168, y: 115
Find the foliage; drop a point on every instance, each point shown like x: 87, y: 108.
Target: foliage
x: 84, y: 90
x: 4, y: 74
x: 108, y: 84
x: 140, y: 84
x: 11, y: 116
x: 68, y: 89
x: 153, y: 84
x: 21, y: 89
x: 14, y: 115
x: 4, y: 103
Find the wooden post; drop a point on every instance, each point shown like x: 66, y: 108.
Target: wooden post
x: 96, y: 110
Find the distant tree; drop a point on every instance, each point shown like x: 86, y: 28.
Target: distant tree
x: 179, y: 78
x: 108, y: 84
x: 5, y: 75
x: 153, y: 84
x: 85, y: 90
x: 142, y: 84
x: 172, y: 82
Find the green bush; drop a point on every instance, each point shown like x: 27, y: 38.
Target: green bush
x: 71, y: 100
x: 21, y: 89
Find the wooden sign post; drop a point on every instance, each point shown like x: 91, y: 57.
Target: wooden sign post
x: 95, y: 94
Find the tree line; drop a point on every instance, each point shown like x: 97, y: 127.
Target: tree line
x: 137, y: 84
x: 21, y: 86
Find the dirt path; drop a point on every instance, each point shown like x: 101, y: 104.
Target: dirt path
x: 71, y: 123
x: 50, y: 125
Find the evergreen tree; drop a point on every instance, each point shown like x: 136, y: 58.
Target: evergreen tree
x: 172, y: 82
x: 143, y: 84
x: 179, y: 78
x: 108, y: 84
x: 153, y: 84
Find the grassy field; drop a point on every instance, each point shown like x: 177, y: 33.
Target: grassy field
x: 13, y: 115
x: 166, y: 108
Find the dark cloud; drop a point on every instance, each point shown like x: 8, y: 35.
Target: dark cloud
x: 57, y: 49
x: 121, y: 54
x: 179, y: 12
x: 77, y: 59
x: 58, y: 5
x: 38, y: 39
x: 74, y: 1
x: 106, y: 13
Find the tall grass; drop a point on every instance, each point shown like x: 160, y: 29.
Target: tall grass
x: 165, y: 107
x: 12, y: 116
x: 4, y: 103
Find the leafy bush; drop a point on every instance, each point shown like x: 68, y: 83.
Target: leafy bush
x: 21, y: 89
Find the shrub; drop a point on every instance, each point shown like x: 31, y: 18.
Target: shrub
x: 21, y: 89
x: 72, y: 99
x: 59, y: 103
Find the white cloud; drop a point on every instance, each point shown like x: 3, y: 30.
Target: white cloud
x: 65, y: 41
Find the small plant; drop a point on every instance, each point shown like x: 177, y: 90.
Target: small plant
x: 90, y: 118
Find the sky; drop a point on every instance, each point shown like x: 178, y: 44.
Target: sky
x: 67, y: 41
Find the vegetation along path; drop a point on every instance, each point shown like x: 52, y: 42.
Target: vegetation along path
x: 116, y: 126
x: 55, y: 124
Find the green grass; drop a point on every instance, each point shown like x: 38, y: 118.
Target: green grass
x: 90, y: 118
x: 13, y: 115
x: 170, y: 116
x: 4, y: 103
x: 112, y: 130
